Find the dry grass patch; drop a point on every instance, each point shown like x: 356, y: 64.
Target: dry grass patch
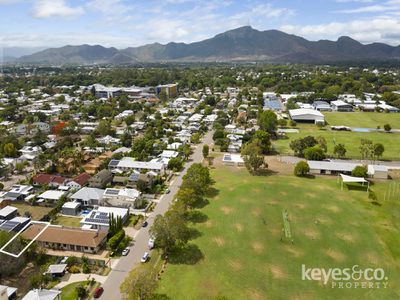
x: 220, y: 241
x: 335, y: 255
x: 257, y: 247
x: 227, y: 210
x: 209, y: 224
x: 345, y: 236
x: 323, y: 220
x: 277, y: 272
x: 291, y: 249
x: 301, y: 205
x: 283, y: 193
x: 235, y: 265
x: 255, y: 294
x: 311, y: 233
x: 374, y: 258
x: 239, y: 227
x: 256, y: 212
x: 333, y: 208
x: 244, y: 200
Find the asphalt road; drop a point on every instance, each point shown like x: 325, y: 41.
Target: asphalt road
x: 127, y: 263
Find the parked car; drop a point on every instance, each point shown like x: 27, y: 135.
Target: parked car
x: 145, y: 223
x: 167, y: 191
x: 98, y: 292
x: 145, y: 257
x: 125, y: 251
x: 151, y: 243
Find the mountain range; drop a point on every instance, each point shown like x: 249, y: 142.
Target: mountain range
x: 241, y: 44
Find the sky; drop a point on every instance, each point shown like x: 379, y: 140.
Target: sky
x: 124, y: 23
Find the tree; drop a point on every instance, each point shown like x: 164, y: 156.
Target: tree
x: 169, y: 231
x: 218, y: 134
x: 366, y: 148
x: 140, y: 284
x: 267, y: 120
x: 81, y: 291
x: 299, y: 145
x: 314, y: 153
x: 322, y: 143
x: 263, y: 139
x: 340, y: 150
x: 188, y: 197
x: 378, y: 150
x: 359, y: 171
x: 206, y: 150
x: 198, y: 178
x: 387, y: 127
x: 9, y: 150
x: 175, y: 164
x: 302, y: 168
x: 252, y: 156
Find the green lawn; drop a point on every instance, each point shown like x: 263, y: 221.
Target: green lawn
x: 351, y: 140
x: 362, y: 119
x: 69, y: 292
x: 244, y: 257
x: 37, y: 212
x: 67, y: 221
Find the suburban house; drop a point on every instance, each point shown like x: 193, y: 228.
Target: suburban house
x: 7, y: 293
x: 101, y: 179
x: 100, y: 218
x: 306, y: 115
x: 322, y: 106
x: 17, y: 192
x: 65, y: 238
x: 378, y: 171
x: 71, y: 208
x: 88, y: 196
x: 331, y: 167
x: 51, y: 196
x: 233, y: 160
x: 43, y: 294
x: 57, y: 270
x: 136, y: 176
x: 50, y: 180
x: 15, y: 224
x: 79, y: 181
x: 130, y: 164
x: 8, y: 213
x: 340, y: 105
x: 120, y: 197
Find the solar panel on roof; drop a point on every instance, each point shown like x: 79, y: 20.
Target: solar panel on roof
x: 111, y: 192
x: 113, y: 162
x: 8, y: 225
x: 227, y: 158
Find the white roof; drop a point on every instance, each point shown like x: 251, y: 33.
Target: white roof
x: 128, y: 193
x: 347, y: 178
x: 52, y: 195
x: 117, y: 211
x: 87, y: 193
x: 56, y: 268
x: 4, y: 212
x: 72, y: 205
x: 332, y: 165
x: 305, y: 111
x: 373, y: 168
x: 129, y: 162
x: 42, y: 294
x: 340, y: 103
x: 236, y: 158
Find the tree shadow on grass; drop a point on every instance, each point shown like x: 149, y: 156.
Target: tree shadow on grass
x: 160, y: 297
x: 212, y: 192
x: 194, y: 233
x: 188, y: 254
x: 196, y: 216
x: 264, y: 172
x: 353, y: 187
x: 201, y: 203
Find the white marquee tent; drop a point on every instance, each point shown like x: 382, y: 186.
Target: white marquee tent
x: 348, y: 179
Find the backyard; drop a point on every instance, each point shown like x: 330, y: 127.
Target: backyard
x: 37, y: 212
x: 244, y: 257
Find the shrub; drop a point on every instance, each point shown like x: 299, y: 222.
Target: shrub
x: 359, y: 171
x: 302, y: 168
x: 71, y: 261
x: 314, y: 153
x: 86, y: 268
x: 74, y: 270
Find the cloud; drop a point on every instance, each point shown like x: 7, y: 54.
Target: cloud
x: 43, y: 9
x: 387, y: 6
x: 378, y: 29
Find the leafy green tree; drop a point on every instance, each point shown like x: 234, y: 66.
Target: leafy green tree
x: 339, y: 150
x: 387, y: 127
x: 322, y: 143
x: 314, y: 153
x: 360, y: 171
x: 366, y: 148
x: 302, y: 168
x: 175, y: 164
x: 206, y: 150
x: 9, y: 150
x: 378, y: 150
x: 198, y: 178
x: 140, y: 284
x: 252, y: 156
x: 267, y: 120
x: 263, y: 139
x: 299, y: 145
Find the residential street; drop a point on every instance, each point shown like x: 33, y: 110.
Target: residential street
x: 127, y: 263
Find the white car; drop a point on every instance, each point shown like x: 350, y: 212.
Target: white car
x: 151, y: 243
x: 125, y: 251
x: 145, y: 257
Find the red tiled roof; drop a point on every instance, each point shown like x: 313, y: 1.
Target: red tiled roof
x: 82, y: 179
x: 47, y: 179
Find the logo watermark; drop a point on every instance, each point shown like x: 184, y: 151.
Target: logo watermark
x: 347, y: 278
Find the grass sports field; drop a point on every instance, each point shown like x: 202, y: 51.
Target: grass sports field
x: 244, y: 257
x: 362, y: 119
x: 351, y: 140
